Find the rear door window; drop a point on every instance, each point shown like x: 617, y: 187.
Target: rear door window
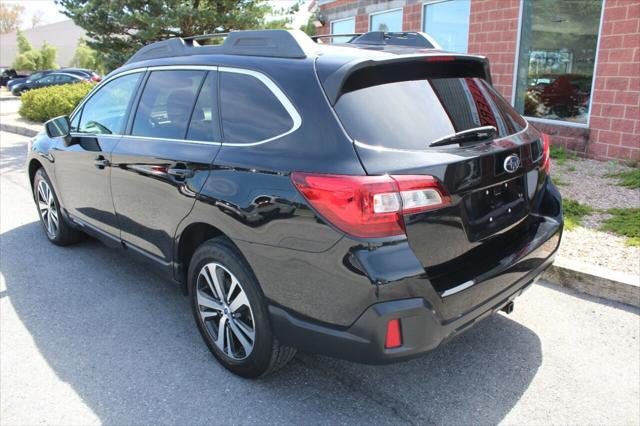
x: 166, y: 103
x: 250, y: 110
x: 412, y: 114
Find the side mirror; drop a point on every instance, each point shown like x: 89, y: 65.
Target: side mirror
x: 58, y: 127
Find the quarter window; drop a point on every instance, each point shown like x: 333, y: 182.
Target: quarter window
x: 204, y: 124
x: 250, y: 111
x: 105, y: 111
x: 166, y: 104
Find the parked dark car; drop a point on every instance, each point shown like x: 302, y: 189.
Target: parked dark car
x: 8, y: 74
x: 366, y: 202
x: 52, y: 79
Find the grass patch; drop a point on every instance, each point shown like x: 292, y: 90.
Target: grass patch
x: 559, y: 182
x: 625, y: 222
x: 629, y: 179
x: 571, y: 168
x: 561, y: 155
x: 574, y: 212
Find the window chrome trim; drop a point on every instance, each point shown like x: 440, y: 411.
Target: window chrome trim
x: 275, y: 90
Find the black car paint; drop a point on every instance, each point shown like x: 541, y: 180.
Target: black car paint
x: 307, y: 269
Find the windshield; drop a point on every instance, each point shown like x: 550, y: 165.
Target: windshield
x: 413, y: 114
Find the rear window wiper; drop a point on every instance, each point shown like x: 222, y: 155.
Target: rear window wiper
x: 476, y: 134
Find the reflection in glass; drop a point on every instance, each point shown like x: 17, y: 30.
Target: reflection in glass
x: 343, y: 26
x: 557, y: 58
x: 387, y: 21
x: 448, y: 23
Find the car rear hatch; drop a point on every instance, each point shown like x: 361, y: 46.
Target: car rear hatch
x: 445, y: 120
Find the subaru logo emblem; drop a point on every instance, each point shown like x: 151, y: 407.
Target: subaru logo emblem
x: 511, y: 163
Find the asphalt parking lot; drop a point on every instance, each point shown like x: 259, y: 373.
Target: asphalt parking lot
x: 88, y: 335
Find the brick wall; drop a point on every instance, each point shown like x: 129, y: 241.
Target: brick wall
x: 493, y: 32
x: 614, y: 129
x: 615, y: 111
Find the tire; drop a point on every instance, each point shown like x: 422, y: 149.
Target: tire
x: 234, y: 277
x: 58, y: 230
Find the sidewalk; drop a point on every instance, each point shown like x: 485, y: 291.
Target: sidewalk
x: 586, y: 278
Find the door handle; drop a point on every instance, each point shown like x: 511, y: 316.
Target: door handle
x: 180, y: 173
x: 101, y: 162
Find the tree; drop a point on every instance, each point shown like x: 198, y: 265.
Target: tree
x: 10, y: 17
x: 86, y: 57
x: 47, y: 57
x: 37, y: 18
x: 23, y: 44
x: 33, y: 60
x: 118, y: 28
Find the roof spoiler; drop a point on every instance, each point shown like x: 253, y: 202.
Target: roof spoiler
x: 361, y: 73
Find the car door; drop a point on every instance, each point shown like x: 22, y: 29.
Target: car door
x: 83, y: 167
x: 163, y: 161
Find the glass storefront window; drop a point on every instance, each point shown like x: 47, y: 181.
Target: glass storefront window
x: 343, y: 26
x: 388, y: 21
x: 448, y: 23
x: 557, y: 58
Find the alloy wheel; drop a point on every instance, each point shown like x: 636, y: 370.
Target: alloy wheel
x: 225, y: 311
x: 48, y: 208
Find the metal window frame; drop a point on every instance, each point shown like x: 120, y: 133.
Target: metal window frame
x: 270, y: 84
x: 593, y: 78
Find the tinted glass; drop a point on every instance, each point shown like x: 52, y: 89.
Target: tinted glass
x: 48, y: 79
x: 387, y: 21
x: 557, y: 57
x: 204, y: 125
x: 250, y: 111
x: 412, y: 114
x: 448, y: 23
x: 166, y: 104
x: 66, y: 79
x: 104, y: 112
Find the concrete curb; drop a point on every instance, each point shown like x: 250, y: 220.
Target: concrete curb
x: 20, y: 130
x: 595, y: 281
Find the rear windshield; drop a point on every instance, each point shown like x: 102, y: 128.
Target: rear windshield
x: 412, y: 114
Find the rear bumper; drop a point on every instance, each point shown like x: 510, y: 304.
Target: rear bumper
x: 423, y: 327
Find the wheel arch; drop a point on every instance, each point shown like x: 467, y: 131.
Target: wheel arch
x: 187, y: 242
x: 34, y: 165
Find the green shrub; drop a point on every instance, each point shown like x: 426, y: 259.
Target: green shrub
x: 49, y: 102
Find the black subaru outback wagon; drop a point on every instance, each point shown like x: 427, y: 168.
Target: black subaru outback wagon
x: 366, y: 201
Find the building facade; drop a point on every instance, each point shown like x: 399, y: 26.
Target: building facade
x: 572, y: 67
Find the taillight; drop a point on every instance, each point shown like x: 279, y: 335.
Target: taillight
x: 545, y: 164
x: 369, y: 206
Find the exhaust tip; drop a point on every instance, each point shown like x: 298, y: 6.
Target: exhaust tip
x: 508, y: 308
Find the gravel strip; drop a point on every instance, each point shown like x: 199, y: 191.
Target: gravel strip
x: 584, y: 181
x: 600, y: 248
x: 587, y: 184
